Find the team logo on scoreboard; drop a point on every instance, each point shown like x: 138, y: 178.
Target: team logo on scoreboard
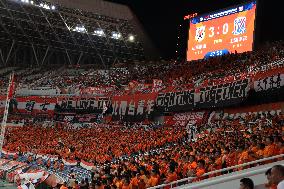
x: 239, y: 25
x: 200, y: 33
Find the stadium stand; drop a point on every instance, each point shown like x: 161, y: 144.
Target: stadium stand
x: 174, y: 76
x: 90, y: 111
x: 146, y: 154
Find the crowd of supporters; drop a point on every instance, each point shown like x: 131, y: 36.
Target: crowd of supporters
x: 141, y: 157
x: 172, y: 74
x: 91, y: 144
x: 145, y: 157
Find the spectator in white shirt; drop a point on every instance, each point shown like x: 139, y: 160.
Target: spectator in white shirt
x: 277, y: 176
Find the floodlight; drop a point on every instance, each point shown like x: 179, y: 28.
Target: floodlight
x: 116, y: 35
x: 131, y: 38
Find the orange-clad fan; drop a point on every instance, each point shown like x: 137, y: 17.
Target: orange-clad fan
x: 163, y: 155
x: 154, y: 179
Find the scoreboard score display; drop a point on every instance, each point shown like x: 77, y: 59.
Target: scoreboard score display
x: 222, y: 32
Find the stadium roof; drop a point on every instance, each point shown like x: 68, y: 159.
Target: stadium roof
x: 70, y: 32
x: 163, y: 22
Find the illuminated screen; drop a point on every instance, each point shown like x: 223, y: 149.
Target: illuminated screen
x: 229, y: 30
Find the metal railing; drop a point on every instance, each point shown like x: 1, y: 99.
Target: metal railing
x: 228, y: 178
x: 189, y: 179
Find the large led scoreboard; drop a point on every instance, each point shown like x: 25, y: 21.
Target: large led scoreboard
x: 218, y: 33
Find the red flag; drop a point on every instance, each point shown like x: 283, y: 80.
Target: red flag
x: 11, y: 86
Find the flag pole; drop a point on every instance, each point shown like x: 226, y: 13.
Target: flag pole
x: 5, y: 116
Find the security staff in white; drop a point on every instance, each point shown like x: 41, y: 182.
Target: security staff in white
x: 191, y: 131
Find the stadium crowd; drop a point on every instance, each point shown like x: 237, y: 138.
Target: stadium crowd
x: 145, y: 157
x: 94, y: 152
x: 173, y: 75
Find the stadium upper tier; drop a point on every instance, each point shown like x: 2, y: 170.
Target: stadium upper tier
x: 138, y: 77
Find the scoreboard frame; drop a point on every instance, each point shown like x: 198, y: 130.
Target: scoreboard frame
x: 215, y: 12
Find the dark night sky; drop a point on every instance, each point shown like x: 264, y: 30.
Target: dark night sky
x: 161, y: 19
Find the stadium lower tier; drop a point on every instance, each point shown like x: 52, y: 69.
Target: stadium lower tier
x: 146, y: 156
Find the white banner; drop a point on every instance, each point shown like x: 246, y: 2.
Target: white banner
x: 69, y: 162
x: 265, y: 67
x: 87, y: 165
x: 8, y: 153
x: 272, y: 82
x: 157, y: 85
x: 182, y: 119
